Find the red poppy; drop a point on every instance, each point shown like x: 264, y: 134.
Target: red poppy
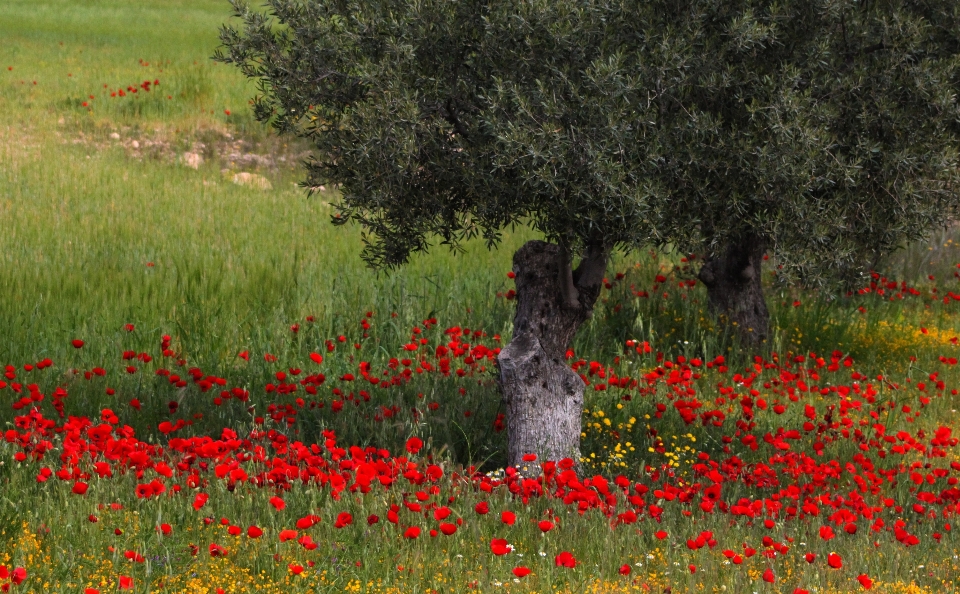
x: 624, y: 569
x: 661, y: 534
x: 200, y: 500
x: 278, y: 503
x: 343, y: 519
x: 545, y: 526
x: 372, y: 519
x: 768, y: 576
x: 508, y: 518
x: 521, y: 571
x: 834, y: 560
x: 77, y: 343
x: 499, y: 546
x: 254, y: 532
x: 565, y: 559
x: 19, y: 574
x: 166, y: 529
x: 448, y: 528
x: 414, y: 444
x: 309, y: 521
x: 826, y: 532
x: 295, y: 569
x: 288, y: 534
x: 692, y: 568
x: 316, y: 358
x: 865, y: 581
x: 482, y: 508
x: 126, y: 582
x: 134, y: 556
x: 412, y: 532
x: 442, y: 513
x: 810, y: 557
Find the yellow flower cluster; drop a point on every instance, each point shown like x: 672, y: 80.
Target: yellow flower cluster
x: 680, y: 453
x: 614, y: 439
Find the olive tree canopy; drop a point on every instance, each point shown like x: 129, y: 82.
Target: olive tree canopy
x: 824, y: 132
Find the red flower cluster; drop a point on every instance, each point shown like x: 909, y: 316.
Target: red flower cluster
x: 15, y: 577
x: 145, y: 86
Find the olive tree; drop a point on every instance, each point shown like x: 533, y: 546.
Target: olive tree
x: 823, y: 132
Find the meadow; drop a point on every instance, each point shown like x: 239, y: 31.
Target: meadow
x: 204, y: 389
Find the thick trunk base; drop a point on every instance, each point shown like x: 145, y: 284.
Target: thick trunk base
x: 544, y: 402
x: 542, y: 395
x: 735, y: 292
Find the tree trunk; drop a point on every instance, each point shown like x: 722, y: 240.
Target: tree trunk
x: 543, y: 396
x: 735, y: 291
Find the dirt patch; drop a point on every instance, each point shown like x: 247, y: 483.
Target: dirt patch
x: 219, y: 149
x: 253, y: 180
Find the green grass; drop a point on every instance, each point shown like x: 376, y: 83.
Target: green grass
x: 82, y: 219
x: 97, y: 233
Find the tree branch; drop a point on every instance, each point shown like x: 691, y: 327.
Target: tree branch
x: 450, y: 114
x: 593, y: 266
x: 571, y: 297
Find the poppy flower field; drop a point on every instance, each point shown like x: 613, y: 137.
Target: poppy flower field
x: 796, y: 472
x: 203, y: 389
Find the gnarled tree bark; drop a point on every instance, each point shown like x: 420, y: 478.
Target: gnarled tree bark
x: 734, y: 290
x: 542, y: 394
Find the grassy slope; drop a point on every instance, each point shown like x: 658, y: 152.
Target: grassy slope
x: 82, y: 219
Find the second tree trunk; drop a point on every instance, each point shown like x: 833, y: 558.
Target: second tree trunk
x: 735, y: 291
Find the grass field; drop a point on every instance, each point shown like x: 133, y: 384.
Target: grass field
x: 204, y: 389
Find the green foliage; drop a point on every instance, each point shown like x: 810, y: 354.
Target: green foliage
x: 828, y: 128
